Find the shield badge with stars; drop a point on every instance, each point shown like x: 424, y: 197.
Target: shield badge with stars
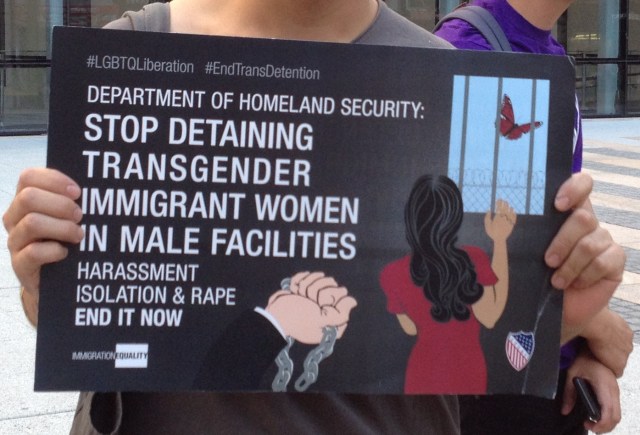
x: 519, y: 348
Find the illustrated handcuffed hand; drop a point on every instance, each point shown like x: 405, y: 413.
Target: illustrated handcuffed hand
x: 312, y: 302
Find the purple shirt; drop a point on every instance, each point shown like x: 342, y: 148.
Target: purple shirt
x: 524, y: 37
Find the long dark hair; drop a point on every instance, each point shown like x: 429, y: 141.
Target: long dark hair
x: 433, y: 216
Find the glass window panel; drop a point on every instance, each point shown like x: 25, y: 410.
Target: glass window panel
x: 421, y: 12
x: 25, y: 52
x: 24, y: 99
x: 598, y: 88
x: 608, y: 90
x: 24, y: 48
x: 593, y: 29
x: 582, y: 28
x: 633, y: 90
x: 25, y: 28
x: 634, y: 28
x: 586, y: 88
x: 104, y: 11
x: 447, y: 6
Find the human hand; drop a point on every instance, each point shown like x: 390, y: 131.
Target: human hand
x: 312, y: 302
x: 588, y: 263
x: 42, y: 217
x: 499, y: 226
x: 610, y: 339
x: 605, y: 386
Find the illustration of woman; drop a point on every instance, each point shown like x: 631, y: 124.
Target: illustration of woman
x: 441, y: 293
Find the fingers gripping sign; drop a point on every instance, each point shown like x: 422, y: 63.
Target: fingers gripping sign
x: 41, y: 220
x: 588, y: 263
x: 313, y: 309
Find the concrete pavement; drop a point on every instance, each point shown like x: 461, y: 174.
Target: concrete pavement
x: 612, y: 156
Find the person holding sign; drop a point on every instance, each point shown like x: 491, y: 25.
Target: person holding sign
x: 44, y: 218
x: 527, y: 27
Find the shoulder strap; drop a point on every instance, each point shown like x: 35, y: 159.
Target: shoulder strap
x: 481, y: 19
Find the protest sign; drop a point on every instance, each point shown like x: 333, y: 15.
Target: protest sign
x: 255, y: 216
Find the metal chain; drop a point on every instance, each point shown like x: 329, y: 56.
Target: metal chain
x: 285, y: 368
x: 311, y: 362
x: 315, y: 357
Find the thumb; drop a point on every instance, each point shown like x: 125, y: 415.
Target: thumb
x: 345, y: 305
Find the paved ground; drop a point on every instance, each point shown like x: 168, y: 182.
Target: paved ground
x: 612, y: 156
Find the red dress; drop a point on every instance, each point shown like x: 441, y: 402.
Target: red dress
x: 447, y: 357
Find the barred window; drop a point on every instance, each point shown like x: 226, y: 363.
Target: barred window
x: 498, y: 142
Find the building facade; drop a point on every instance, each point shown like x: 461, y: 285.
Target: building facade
x: 602, y: 36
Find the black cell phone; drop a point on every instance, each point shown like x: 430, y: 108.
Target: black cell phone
x: 588, y: 399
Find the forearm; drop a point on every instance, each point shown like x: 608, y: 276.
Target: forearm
x: 494, y: 300
x: 500, y: 266
x: 596, y: 329
x: 610, y: 339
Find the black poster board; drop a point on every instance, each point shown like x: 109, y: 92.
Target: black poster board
x: 218, y: 173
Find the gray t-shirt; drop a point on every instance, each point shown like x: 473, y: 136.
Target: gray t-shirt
x: 389, y: 28
x: 200, y: 413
